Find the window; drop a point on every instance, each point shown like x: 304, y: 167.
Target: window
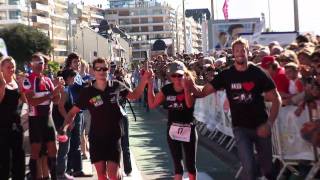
x: 60, y: 53
x: 135, y: 21
x: 157, y: 11
x: 124, y: 13
x: 2, y: 2
x: 135, y: 29
x: 157, y: 28
x: 3, y: 15
x: 157, y: 20
x: 144, y: 29
x: 144, y: 20
x: 143, y: 12
x: 124, y: 21
x: 136, y: 54
x: 14, y: 2
x: 14, y: 14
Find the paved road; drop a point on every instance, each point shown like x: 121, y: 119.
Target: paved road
x: 148, y: 143
x: 150, y: 154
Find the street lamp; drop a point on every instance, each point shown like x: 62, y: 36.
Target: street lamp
x: 184, y: 27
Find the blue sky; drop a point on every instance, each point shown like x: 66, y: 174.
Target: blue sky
x: 281, y: 11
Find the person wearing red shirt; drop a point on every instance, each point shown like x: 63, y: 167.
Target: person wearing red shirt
x: 277, y: 73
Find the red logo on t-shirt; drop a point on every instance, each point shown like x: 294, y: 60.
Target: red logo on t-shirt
x: 248, y: 86
x: 180, y: 97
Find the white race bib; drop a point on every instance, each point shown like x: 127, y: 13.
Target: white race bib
x: 180, y: 132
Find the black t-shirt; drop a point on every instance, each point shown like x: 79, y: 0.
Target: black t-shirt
x: 244, y: 92
x: 175, y: 102
x: 9, y: 108
x: 104, y: 109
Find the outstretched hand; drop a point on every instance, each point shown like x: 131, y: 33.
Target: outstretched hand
x: 2, y: 80
x: 148, y: 75
x: 187, y: 82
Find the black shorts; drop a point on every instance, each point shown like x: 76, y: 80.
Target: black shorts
x: 104, y: 149
x: 41, y: 129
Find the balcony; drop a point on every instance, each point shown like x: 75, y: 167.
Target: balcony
x: 40, y: 7
x: 60, y: 15
x: 41, y: 20
x: 59, y: 26
x: 60, y: 37
x: 61, y: 4
x: 98, y: 16
x: 13, y: 21
x: 60, y: 47
x: 41, y: 1
x: 144, y: 24
x: 13, y: 7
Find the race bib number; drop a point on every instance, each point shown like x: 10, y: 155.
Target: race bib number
x: 180, y: 132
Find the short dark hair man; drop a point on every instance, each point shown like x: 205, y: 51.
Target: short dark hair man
x: 244, y: 84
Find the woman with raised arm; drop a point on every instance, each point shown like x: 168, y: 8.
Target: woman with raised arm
x: 181, y: 133
x: 11, y: 132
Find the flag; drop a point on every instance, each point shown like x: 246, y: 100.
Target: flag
x: 225, y: 9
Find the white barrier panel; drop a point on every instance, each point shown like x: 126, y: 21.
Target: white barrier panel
x: 204, y: 110
x: 212, y: 111
x: 293, y: 147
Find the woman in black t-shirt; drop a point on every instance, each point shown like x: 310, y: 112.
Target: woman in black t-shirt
x: 181, y: 133
x: 102, y: 101
x: 11, y: 132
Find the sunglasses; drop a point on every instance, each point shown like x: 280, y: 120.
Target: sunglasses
x: 104, y: 69
x: 38, y: 62
x: 176, y: 75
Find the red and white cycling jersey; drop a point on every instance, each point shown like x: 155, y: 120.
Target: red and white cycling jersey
x: 41, y: 86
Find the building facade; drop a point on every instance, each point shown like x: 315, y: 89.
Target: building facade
x: 145, y: 22
x: 48, y: 16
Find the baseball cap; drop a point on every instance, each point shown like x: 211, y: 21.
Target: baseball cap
x: 176, y: 67
x: 266, y: 61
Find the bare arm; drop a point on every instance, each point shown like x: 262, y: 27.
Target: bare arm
x: 137, y: 92
x: 154, y: 100
x: 188, y: 94
x: 274, y: 97
x: 2, y: 86
x: 61, y: 103
x: 202, y: 91
x: 2, y: 91
x: 33, y: 101
x: 70, y: 117
x: 23, y: 98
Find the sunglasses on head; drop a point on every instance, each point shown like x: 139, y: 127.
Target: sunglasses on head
x: 176, y: 75
x: 104, y: 69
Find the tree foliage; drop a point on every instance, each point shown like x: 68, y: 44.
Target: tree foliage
x: 22, y: 41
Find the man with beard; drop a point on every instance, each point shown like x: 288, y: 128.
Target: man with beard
x: 245, y: 84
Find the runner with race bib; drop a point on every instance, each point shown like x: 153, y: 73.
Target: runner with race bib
x: 181, y: 133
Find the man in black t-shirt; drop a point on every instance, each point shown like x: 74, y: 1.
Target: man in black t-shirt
x: 102, y: 101
x: 245, y: 85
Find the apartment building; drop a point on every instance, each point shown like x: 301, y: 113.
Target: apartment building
x: 13, y: 12
x: 144, y: 21
x: 96, y: 14
x: 48, y: 16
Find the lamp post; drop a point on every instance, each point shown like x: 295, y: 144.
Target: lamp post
x: 184, y: 27
x: 296, y: 15
x: 97, y: 39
